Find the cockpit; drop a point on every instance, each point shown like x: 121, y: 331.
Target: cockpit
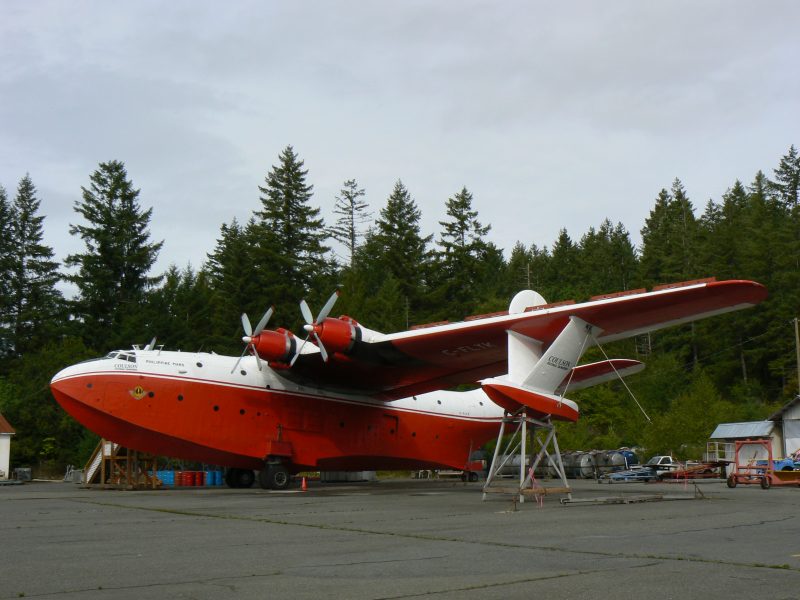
x: 122, y: 355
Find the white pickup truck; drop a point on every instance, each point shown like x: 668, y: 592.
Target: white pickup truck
x: 662, y: 464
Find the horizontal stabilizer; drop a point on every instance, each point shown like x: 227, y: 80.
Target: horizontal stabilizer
x: 584, y: 376
x: 512, y: 396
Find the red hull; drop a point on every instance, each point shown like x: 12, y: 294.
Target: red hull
x: 240, y: 426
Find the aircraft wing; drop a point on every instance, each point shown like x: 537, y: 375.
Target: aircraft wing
x: 441, y: 356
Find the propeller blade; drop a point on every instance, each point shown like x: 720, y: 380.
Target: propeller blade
x: 322, y: 350
x: 248, y: 329
x: 298, y: 353
x: 238, y: 360
x: 328, y: 306
x: 264, y: 320
x: 258, y: 358
x: 151, y: 345
x: 306, y: 312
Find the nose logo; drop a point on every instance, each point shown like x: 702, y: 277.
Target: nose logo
x: 138, y: 392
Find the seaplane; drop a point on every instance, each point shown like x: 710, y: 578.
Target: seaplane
x: 351, y: 398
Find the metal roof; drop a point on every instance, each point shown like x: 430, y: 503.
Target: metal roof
x: 5, y: 426
x: 778, y: 415
x: 751, y: 429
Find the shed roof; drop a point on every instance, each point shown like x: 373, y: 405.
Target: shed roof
x: 5, y: 426
x: 778, y: 415
x: 750, y: 429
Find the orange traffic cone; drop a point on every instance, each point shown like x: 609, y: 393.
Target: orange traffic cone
x: 303, y: 485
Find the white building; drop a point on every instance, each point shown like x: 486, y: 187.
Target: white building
x: 782, y: 429
x: 6, y: 431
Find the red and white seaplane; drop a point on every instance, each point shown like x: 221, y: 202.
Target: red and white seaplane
x: 357, y: 399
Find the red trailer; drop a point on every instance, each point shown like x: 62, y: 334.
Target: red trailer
x: 759, y: 471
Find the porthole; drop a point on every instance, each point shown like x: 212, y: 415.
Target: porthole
x: 151, y: 394
x: 216, y: 408
x: 438, y: 402
x: 241, y: 411
x: 481, y: 403
x: 258, y: 414
x: 199, y: 364
x: 413, y: 434
x: 89, y: 385
x: 180, y: 397
x: 268, y: 386
x: 243, y: 372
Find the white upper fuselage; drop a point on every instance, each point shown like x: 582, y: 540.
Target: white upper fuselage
x: 214, y: 368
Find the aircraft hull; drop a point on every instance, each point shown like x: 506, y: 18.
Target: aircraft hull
x: 217, y: 423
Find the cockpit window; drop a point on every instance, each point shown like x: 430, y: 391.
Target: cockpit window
x: 122, y: 355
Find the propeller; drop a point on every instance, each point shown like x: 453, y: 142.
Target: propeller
x: 313, y: 326
x: 250, y: 333
x: 151, y: 345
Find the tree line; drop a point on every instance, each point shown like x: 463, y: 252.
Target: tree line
x: 393, y: 276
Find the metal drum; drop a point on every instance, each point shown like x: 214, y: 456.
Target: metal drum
x: 584, y: 466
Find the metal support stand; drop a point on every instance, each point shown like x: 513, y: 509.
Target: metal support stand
x: 516, y: 446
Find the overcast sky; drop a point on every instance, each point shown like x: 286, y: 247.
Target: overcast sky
x: 552, y: 114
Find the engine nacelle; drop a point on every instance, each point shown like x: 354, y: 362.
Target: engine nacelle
x: 275, y: 346
x: 339, y: 335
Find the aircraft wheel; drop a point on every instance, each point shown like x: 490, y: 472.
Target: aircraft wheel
x: 732, y: 481
x: 274, y: 477
x: 239, y: 478
x: 765, y: 483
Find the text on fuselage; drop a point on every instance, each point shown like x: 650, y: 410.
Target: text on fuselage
x: 468, y: 349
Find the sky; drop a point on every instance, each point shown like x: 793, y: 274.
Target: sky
x: 553, y: 114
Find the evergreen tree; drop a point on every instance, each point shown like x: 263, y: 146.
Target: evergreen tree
x: 352, y: 211
x: 112, y: 274
x: 237, y: 281
x: 787, y: 178
x: 565, y: 257
x: 290, y: 246
x: 7, y: 220
x: 670, y: 238
x: 607, y: 259
x: 460, y: 261
x: 398, y: 249
x: 180, y: 311
x: 36, y: 304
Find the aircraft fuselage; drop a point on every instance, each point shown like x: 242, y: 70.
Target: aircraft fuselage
x: 191, y: 406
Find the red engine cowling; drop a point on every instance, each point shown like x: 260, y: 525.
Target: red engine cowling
x: 338, y: 335
x: 275, y: 346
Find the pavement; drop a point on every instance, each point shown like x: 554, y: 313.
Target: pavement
x: 398, y: 539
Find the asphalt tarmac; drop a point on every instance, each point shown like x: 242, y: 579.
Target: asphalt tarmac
x: 397, y: 539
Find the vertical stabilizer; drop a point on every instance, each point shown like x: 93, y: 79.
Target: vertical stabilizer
x: 561, y: 357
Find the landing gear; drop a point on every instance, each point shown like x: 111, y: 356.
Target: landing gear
x: 469, y: 476
x: 239, y: 478
x: 274, y: 476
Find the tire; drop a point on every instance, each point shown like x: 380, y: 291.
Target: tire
x: 464, y: 477
x: 239, y: 478
x: 473, y: 476
x: 732, y: 481
x: 274, y: 477
x: 765, y: 483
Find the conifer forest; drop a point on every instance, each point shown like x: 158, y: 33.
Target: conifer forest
x: 392, y: 276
